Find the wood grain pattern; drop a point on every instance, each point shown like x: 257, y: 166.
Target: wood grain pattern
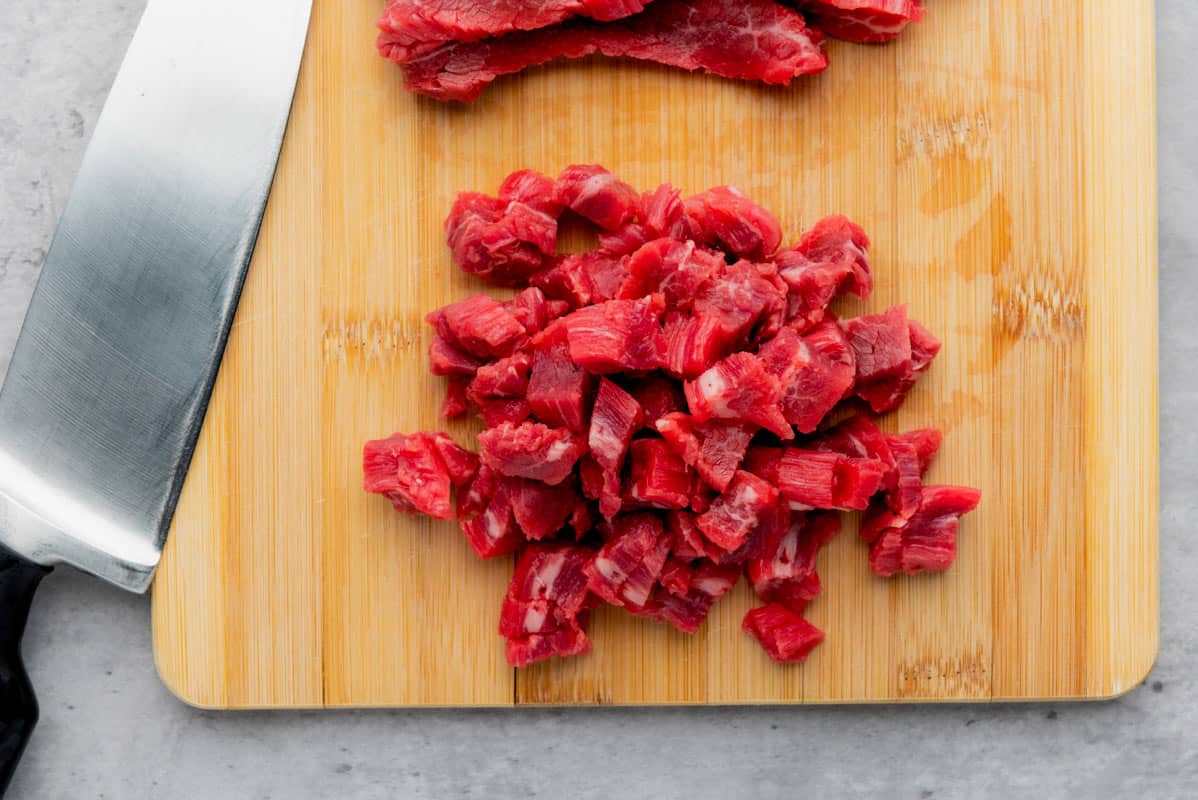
x: 1002, y: 157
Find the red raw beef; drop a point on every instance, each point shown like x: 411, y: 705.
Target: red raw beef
x: 714, y: 448
x: 657, y: 477
x: 559, y: 390
x: 738, y: 388
x: 592, y: 192
x: 686, y: 610
x: 904, y: 483
x: 784, y: 635
x: 581, y: 279
x: 693, y: 344
x: 926, y: 442
x: 747, y: 39
x: 479, y: 325
x: 658, y: 396
x: 507, y: 377
x: 741, y: 303
x: 828, y: 261
x: 540, y: 612
x: 531, y: 450
x: 810, y: 479
x: 541, y: 510
x: 485, y: 516
x: 498, y: 410
x: 446, y: 359
x: 926, y: 542
x: 676, y: 576
x: 617, y: 336
x: 896, y: 352
x: 764, y: 462
x: 676, y: 269
x: 856, y: 437
x: 415, y: 471
x: 625, y: 569
x: 615, y: 418
x: 687, y: 541
x: 782, y: 570
x: 738, y: 511
x: 410, y: 28
x: 816, y: 371
x: 455, y: 404
x: 724, y: 218
x: 868, y: 21
x: 500, y: 241
x: 532, y: 310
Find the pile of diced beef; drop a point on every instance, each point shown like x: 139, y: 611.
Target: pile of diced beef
x: 452, y: 50
x: 668, y: 411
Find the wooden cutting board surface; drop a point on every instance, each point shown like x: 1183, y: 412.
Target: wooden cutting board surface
x: 1002, y: 157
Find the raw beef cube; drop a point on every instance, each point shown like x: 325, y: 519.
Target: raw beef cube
x: 739, y: 303
x: 925, y: 542
x: 687, y: 610
x: 592, y: 192
x: 568, y: 641
x: 816, y: 371
x: 501, y: 242
x: 738, y: 388
x: 498, y: 410
x: 692, y: 344
x: 676, y: 576
x: 714, y: 448
x: 558, y: 389
x: 828, y: 261
x: 491, y: 532
x: 625, y: 569
x: 764, y: 462
x: 411, y: 28
x: 541, y: 510
x: 531, y: 188
x: 856, y: 437
x: 551, y: 573
x: 662, y: 212
x: 881, y: 343
x: 617, y: 336
x: 581, y: 279
x: 657, y: 396
x: 410, y: 471
x: 446, y: 359
x: 455, y: 403
x: 868, y: 21
x: 688, y: 543
x: 676, y: 269
x: 738, y: 511
x: 626, y: 240
x: 615, y: 418
x: 904, y: 483
x: 810, y: 479
x: 783, y: 568
x: 926, y: 442
x: 747, y: 39
x: 784, y: 635
x: 888, y: 393
x: 478, y: 493
x: 480, y: 325
x: 460, y: 463
x: 657, y: 477
x: 507, y: 377
x: 533, y: 311
x: 725, y: 218
x: 531, y: 450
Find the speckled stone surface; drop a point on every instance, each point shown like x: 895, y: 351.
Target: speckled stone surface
x: 110, y: 730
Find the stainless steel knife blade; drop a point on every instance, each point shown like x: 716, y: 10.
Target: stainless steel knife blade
x: 111, y: 376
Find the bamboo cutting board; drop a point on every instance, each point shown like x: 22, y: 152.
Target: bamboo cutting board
x: 1002, y: 157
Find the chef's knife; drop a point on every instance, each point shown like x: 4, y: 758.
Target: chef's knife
x: 113, y: 370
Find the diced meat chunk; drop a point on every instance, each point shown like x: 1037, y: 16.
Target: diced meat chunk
x: 714, y: 448
x: 540, y: 616
x: 455, y: 403
x: 739, y: 388
x: 479, y: 325
x: 541, y: 510
x: 785, y: 636
x: 927, y: 542
x: 411, y: 471
x: 926, y: 442
x: 810, y: 479
x: 782, y: 570
x: 616, y: 417
x: 739, y: 304
x: 592, y: 192
x: 657, y: 396
x: 625, y: 569
x: 657, y: 477
x: 738, y: 511
x: 447, y: 359
x: 692, y: 344
x: 502, y: 242
x: 558, y: 389
x: 485, y: 517
x: 507, y: 377
x: 617, y: 336
x: 816, y: 371
x: 532, y: 310
x: 673, y: 268
x: 531, y: 450
x: 881, y: 344
x: 686, y: 610
x: 566, y: 641
x: 764, y: 462
x: 828, y: 261
x: 725, y: 218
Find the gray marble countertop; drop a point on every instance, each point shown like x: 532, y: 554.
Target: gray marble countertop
x: 110, y: 730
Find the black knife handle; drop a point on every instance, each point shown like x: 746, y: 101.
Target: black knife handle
x: 18, y: 704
